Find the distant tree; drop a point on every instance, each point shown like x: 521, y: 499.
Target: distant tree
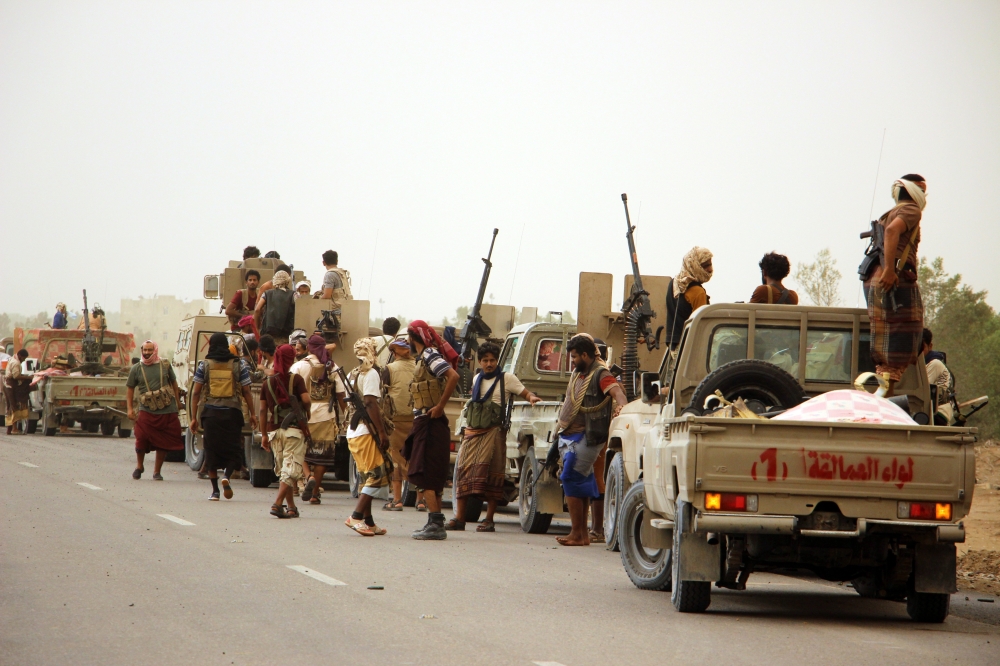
x: 6, y: 326
x: 820, y: 280
x: 936, y: 287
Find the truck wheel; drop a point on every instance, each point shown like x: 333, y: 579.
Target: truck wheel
x: 259, y: 478
x: 750, y: 379
x: 31, y: 427
x: 124, y: 433
x: 473, y: 504
x: 928, y: 606
x: 194, y: 454
x: 90, y: 426
x: 353, y: 477
x: 532, y: 522
x: 647, y: 568
x: 108, y: 428
x: 614, y: 486
x: 687, y: 596
x: 408, y: 493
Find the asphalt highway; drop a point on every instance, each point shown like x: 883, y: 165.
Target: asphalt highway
x: 96, y: 568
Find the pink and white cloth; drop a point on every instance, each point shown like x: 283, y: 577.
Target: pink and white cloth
x: 847, y: 405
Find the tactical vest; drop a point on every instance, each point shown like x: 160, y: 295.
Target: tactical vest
x: 319, y: 390
x: 678, y: 312
x: 425, y: 389
x: 400, y: 376
x: 279, y: 313
x: 221, y: 380
x: 783, y: 296
x: 596, y: 410
x: 278, y: 411
x: 487, y: 414
x: 344, y: 291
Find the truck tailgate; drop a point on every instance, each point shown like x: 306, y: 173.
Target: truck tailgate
x: 90, y: 389
x: 842, y: 459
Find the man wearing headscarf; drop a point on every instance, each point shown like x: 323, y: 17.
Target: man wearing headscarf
x: 15, y: 392
x: 216, y: 405
x: 326, y: 391
x: 427, y: 449
x: 157, y: 427
x: 686, y: 293
x: 368, y: 454
x: 280, y: 431
x: 895, y: 309
x: 59, y: 321
x: 274, y: 313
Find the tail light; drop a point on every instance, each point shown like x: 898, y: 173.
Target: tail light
x: 730, y: 502
x: 451, y: 446
x: 924, y: 510
x: 63, y: 403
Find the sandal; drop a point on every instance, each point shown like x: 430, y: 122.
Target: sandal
x: 359, y: 526
x: 307, y: 492
x: 292, y: 512
x: 597, y: 537
x: 392, y: 506
x: 421, y: 506
x: 278, y: 510
x: 486, y: 526
x: 454, y: 525
x: 314, y: 500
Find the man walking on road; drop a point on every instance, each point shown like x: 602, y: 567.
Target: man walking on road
x: 327, y: 393
x: 427, y: 449
x: 221, y: 415
x: 15, y: 392
x: 583, y: 430
x: 157, y: 427
x: 368, y: 457
x: 397, y: 377
x: 285, y: 440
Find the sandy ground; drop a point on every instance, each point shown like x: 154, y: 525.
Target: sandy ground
x: 979, y: 556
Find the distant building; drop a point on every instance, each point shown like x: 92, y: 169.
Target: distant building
x: 158, y: 318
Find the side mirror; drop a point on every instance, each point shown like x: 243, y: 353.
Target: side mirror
x: 211, y: 286
x: 650, y: 387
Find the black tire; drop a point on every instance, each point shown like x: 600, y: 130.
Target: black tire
x: 107, y: 428
x: 353, y: 478
x: 750, y: 379
x: 408, y: 493
x: 261, y: 478
x: 687, y: 596
x: 124, y: 433
x: 614, y: 486
x: 532, y: 521
x: 32, y: 426
x: 194, y: 453
x: 473, y: 504
x: 91, y: 426
x: 928, y: 606
x: 648, y: 569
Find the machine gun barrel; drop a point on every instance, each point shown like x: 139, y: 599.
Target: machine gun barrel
x: 633, y: 256
x: 474, y: 324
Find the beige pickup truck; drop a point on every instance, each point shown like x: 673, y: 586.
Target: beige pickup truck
x: 693, y: 499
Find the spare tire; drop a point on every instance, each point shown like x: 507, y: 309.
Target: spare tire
x: 750, y: 379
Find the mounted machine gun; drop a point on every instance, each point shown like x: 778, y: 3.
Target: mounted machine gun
x: 638, y: 314
x: 474, y: 327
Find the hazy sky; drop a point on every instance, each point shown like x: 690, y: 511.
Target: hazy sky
x: 144, y: 144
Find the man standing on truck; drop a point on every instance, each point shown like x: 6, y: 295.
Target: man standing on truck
x: 397, y: 377
x: 773, y: 269
x: 584, y: 421
x: 482, y: 459
x: 157, y: 427
x: 222, y: 414
x: 244, y: 300
x: 274, y: 313
x: 895, y: 309
x: 284, y: 439
x: 15, y: 392
x: 60, y: 319
x: 686, y: 293
x: 428, y: 447
x: 336, y: 281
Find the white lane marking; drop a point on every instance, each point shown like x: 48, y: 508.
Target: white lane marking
x: 174, y: 519
x: 27, y: 464
x: 89, y: 486
x: 546, y: 663
x: 323, y: 578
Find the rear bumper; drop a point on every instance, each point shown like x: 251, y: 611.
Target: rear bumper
x: 741, y: 523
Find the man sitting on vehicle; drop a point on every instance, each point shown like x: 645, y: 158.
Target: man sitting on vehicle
x: 274, y: 314
x: 773, y: 269
x: 249, y: 252
x: 244, y: 300
x: 939, y: 376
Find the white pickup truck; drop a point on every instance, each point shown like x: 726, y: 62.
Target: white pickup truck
x: 694, y: 499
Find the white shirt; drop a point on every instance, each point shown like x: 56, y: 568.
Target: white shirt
x: 511, y: 384
x: 369, y: 383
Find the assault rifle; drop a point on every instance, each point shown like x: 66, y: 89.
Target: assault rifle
x: 874, y: 255
x: 357, y: 402
x: 638, y: 315
x: 474, y: 327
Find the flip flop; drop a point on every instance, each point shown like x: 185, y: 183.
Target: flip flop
x: 486, y: 526
x: 392, y: 506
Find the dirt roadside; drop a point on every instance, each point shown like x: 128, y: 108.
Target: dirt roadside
x: 979, y: 556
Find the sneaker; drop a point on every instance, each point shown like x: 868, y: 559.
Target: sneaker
x: 226, y: 489
x: 137, y: 474
x: 307, y: 492
x: 157, y: 477
x: 214, y: 497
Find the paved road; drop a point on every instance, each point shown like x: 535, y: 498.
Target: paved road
x: 98, y: 574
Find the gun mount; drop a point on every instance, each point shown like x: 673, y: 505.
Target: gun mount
x: 638, y: 313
